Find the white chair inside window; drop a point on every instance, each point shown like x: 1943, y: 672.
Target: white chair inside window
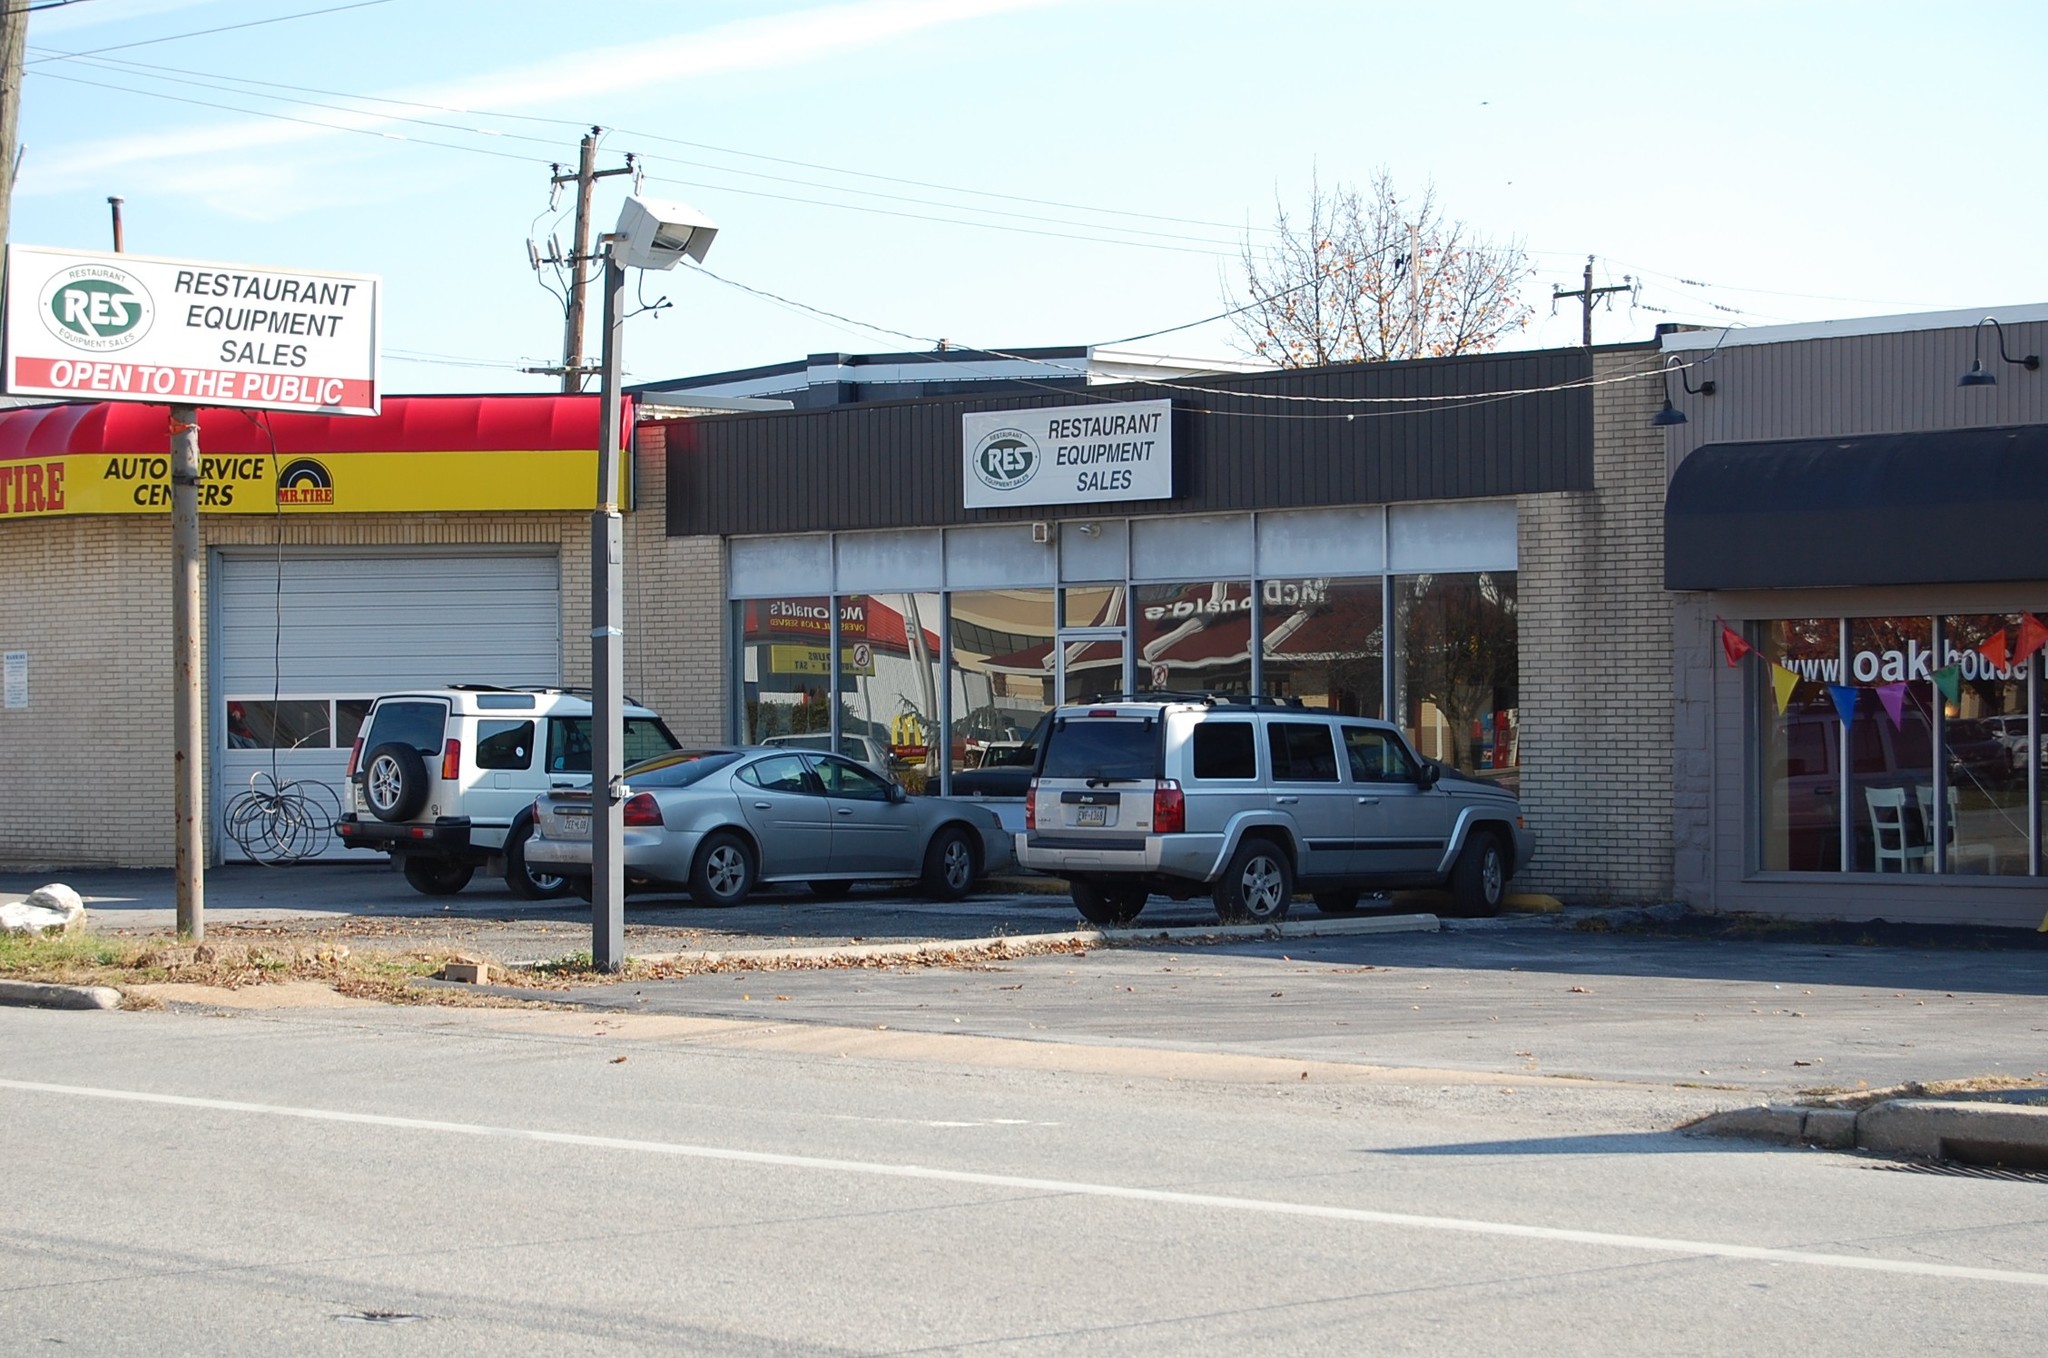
x: 1888, y: 827
x: 1961, y: 857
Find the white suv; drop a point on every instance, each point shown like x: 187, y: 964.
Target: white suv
x: 444, y: 779
x: 1245, y: 800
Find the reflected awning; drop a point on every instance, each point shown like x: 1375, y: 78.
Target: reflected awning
x: 1936, y: 507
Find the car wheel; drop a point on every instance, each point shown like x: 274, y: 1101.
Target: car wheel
x: 1337, y: 902
x: 436, y: 876
x: 724, y: 871
x: 949, y: 865
x: 1109, y: 905
x: 395, y: 781
x: 528, y: 883
x: 1479, y: 882
x: 585, y: 887
x: 830, y: 891
x: 1257, y: 887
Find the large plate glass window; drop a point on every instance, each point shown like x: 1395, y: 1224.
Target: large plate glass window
x: 1325, y: 643
x: 1987, y: 742
x: 1800, y: 747
x: 1891, y: 762
x: 1000, y: 675
x: 1194, y: 637
x: 1457, y: 669
x: 787, y: 663
x: 892, y: 670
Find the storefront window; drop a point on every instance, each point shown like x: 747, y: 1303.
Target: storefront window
x: 1194, y: 638
x: 1325, y: 643
x: 1891, y: 753
x: 294, y: 724
x: 895, y: 679
x: 787, y: 660
x: 1456, y: 668
x: 1000, y: 676
x: 1987, y: 742
x: 1801, y: 744
x: 1094, y: 669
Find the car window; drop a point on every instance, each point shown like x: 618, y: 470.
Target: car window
x: 1101, y: 747
x: 417, y: 724
x: 680, y: 768
x: 780, y: 773
x: 504, y: 744
x: 569, y: 745
x: 844, y: 778
x: 647, y: 737
x: 1376, y: 756
x: 1302, y: 752
x: 1225, y: 749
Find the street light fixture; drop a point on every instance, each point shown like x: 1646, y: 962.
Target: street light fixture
x: 651, y: 234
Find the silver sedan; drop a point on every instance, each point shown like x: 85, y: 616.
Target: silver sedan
x: 722, y: 821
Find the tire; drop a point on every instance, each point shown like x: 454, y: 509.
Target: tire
x: 830, y: 891
x: 436, y: 876
x: 949, y: 866
x: 724, y: 871
x: 1257, y: 887
x: 395, y: 781
x: 1337, y: 902
x: 1479, y: 881
x: 529, y: 884
x: 1113, y: 906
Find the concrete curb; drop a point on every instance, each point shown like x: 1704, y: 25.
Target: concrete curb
x: 871, y: 952
x: 1976, y: 1132
x: 44, y: 995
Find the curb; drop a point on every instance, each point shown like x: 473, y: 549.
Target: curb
x: 1975, y: 1132
x: 45, y: 995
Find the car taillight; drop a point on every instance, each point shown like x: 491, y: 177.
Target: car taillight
x: 451, y: 761
x: 1169, y: 808
x: 355, y: 758
x: 642, y: 809
x: 1031, y: 805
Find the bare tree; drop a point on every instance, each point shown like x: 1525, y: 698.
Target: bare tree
x: 1367, y: 277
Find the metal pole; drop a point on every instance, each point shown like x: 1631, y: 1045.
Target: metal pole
x: 115, y: 205
x: 572, y: 339
x: 185, y: 697
x: 607, y: 655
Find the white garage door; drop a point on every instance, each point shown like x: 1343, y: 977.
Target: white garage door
x: 302, y: 644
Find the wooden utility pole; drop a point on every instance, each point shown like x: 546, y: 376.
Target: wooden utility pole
x: 585, y: 179
x: 13, y: 46
x: 1586, y: 294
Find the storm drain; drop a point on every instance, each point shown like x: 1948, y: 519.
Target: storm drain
x: 1954, y: 1171
x: 380, y: 1317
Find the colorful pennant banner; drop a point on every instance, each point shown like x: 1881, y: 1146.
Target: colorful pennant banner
x: 1997, y: 650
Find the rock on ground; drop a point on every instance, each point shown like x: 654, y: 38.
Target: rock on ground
x: 52, y: 909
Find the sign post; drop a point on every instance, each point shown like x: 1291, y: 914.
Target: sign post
x: 84, y: 324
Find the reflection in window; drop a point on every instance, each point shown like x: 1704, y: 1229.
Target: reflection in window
x: 1457, y: 669
x: 1194, y: 638
x: 1001, y: 675
x: 1891, y: 762
x: 1801, y: 786
x: 1987, y: 737
x: 891, y: 677
x: 504, y: 744
x: 293, y: 724
x: 1325, y: 643
x: 787, y: 658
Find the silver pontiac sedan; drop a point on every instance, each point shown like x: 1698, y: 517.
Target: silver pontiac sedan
x: 722, y: 821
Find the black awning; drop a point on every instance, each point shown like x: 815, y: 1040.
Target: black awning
x: 1940, y: 507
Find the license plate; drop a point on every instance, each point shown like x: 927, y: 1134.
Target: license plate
x: 576, y: 825
x: 1092, y: 815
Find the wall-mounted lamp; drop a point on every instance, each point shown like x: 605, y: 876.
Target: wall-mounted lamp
x: 1671, y: 414
x: 1976, y: 376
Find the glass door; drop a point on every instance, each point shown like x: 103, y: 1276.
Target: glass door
x: 1091, y: 663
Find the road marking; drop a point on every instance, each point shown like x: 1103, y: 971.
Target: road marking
x: 1645, y: 1243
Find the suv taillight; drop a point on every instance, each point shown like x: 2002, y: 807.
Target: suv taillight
x: 451, y: 760
x: 355, y: 758
x: 1169, y: 808
x: 642, y: 809
x: 1031, y: 805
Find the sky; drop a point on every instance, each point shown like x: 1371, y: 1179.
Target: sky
x: 998, y: 174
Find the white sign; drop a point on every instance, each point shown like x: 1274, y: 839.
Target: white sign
x: 117, y: 327
x: 1068, y: 455
x: 14, y: 678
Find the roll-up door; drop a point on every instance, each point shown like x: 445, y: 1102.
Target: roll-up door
x: 303, y: 643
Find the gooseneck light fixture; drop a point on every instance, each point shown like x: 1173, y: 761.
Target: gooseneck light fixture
x: 1977, y: 376
x: 1671, y: 414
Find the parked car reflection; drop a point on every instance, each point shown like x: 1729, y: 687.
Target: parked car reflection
x: 719, y: 822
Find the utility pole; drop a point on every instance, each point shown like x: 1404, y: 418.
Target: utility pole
x: 1585, y: 295
x: 115, y: 205
x: 13, y: 47
x: 585, y: 179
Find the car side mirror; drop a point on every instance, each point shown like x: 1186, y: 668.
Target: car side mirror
x: 898, y: 793
x: 1428, y: 775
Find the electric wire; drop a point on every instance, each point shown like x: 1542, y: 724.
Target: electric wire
x: 208, y: 32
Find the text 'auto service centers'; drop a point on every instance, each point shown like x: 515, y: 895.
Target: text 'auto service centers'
x: 138, y: 328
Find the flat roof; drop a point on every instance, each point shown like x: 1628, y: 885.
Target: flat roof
x: 1722, y: 337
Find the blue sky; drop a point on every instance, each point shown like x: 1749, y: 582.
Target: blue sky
x: 1030, y: 172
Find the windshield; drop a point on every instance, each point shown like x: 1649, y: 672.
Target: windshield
x: 1102, y: 748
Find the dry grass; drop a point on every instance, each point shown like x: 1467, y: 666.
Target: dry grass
x: 1835, y: 1096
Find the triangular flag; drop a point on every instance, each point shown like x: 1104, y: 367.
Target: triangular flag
x: 1845, y: 701
x: 1949, y: 679
x: 1783, y: 681
x: 1733, y: 646
x: 1993, y: 648
x: 2033, y: 635
x: 1893, y: 696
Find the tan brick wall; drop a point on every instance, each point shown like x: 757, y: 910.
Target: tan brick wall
x: 675, y: 608
x: 1596, y: 690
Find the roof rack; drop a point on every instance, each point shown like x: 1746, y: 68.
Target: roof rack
x: 573, y: 690
x: 1212, y: 699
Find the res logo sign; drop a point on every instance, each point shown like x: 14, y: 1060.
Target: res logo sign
x: 97, y: 307
x: 1005, y: 459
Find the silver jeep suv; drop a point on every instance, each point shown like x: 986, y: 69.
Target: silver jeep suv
x: 444, y: 779
x: 1246, y: 801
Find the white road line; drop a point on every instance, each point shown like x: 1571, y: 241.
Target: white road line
x: 1647, y: 1243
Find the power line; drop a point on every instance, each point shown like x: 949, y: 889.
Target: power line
x: 206, y: 32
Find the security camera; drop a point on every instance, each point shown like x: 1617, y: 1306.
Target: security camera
x: 654, y: 234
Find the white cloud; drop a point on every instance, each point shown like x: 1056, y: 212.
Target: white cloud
x: 743, y: 45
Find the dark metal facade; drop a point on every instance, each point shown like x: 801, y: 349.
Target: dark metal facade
x: 1436, y: 429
